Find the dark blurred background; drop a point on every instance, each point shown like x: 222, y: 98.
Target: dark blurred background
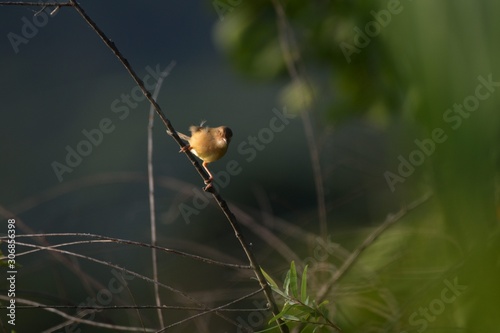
x: 378, y: 79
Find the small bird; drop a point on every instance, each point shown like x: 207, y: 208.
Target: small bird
x: 209, y: 144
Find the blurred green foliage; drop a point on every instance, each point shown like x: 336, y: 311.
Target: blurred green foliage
x: 358, y: 84
x: 431, y: 66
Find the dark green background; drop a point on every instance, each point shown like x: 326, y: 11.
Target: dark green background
x: 366, y: 114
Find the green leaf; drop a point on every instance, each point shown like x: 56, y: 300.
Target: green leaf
x: 318, y: 327
x: 304, y: 311
x: 281, y: 293
x: 303, y: 287
x: 291, y: 317
x: 270, y: 280
x: 273, y: 284
x: 322, y: 309
x: 286, y: 283
x: 283, y: 312
x: 293, y: 280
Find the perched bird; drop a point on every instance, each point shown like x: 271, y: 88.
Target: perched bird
x: 208, y: 144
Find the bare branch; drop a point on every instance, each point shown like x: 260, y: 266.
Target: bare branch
x: 211, y: 310
x: 152, y: 211
x: 171, y: 131
x: 121, y: 241
x: 390, y: 221
x: 76, y: 319
x: 36, y: 4
x: 290, y: 54
x: 221, y: 202
x: 88, y: 281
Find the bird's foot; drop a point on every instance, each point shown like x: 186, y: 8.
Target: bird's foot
x: 209, y: 186
x: 185, y: 149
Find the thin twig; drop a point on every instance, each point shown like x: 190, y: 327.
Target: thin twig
x: 37, y: 4
x: 211, y: 310
x: 76, y: 319
x: 89, y: 282
x: 252, y: 259
x: 391, y: 220
x: 121, y: 241
x: 145, y: 278
x: 290, y: 53
x: 171, y: 131
x: 135, y: 307
x: 267, y: 236
x: 109, y: 264
x: 152, y: 210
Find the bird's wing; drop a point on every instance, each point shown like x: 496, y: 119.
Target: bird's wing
x: 183, y: 136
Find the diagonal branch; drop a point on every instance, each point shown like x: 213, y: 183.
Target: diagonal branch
x: 171, y: 131
x: 390, y: 221
x: 221, y: 307
x: 290, y: 52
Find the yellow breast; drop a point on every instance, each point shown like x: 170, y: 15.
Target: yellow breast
x: 207, y: 145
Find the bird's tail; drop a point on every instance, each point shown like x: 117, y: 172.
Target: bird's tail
x: 181, y: 135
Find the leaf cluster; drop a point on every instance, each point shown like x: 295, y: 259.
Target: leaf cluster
x: 299, y: 308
